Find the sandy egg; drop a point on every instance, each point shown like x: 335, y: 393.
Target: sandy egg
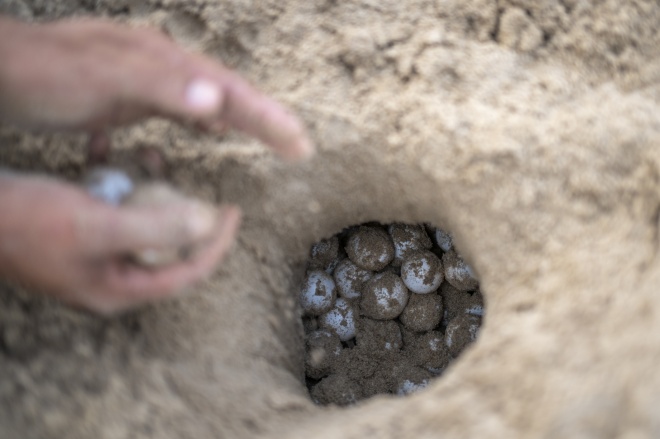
x: 378, y: 383
x: 458, y: 272
x: 443, y: 239
x: 322, y: 347
x: 318, y: 293
x: 475, y: 305
x: 324, y: 253
x: 460, y: 332
x: 350, y: 279
x: 370, y: 248
x: 458, y: 302
x: 340, y: 319
x: 429, y: 351
x: 415, y: 380
x: 379, y: 336
x: 422, y: 313
x: 336, y: 389
x: 384, y: 297
x: 422, y: 272
x: 406, y: 239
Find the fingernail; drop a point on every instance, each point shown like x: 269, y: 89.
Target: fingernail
x: 203, y: 94
x: 202, y: 221
x: 306, y: 149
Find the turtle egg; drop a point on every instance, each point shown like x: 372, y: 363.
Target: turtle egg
x: 460, y: 332
x: 370, y: 248
x: 458, y: 273
x: 322, y: 347
x: 443, y: 239
x: 416, y: 380
x: 384, y: 297
x: 324, y: 253
x: 407, y: 239
x: 109, y: 185
x: 336, y: 389
x: 422, y: 313
x: 379, y: 336
x: 350, y: 278
x: 429, y: 351
x: 422, y: 272
x: 318, y: 293
x: 340, y: 320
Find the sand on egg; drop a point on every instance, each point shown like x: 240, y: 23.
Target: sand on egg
x: 384, y: 297
x: 423, y: 312
x: 321, y: 349
x: 318, y: 293
x: 379, y: 336
x: 370, y: 248
x: 336, y: 389
x: 461, y: 331
x: 413, y: 380
x: 340, y: 319
x: 407, y: 239
x: 350, y: 279
x: 443, y: 239
x: 428, y: 350
x: 324, y: 254
x: 422, y: 272
x: 456, y: 302
x: 458, y: 273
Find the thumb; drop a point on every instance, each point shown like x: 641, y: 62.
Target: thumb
x: 131, y: 229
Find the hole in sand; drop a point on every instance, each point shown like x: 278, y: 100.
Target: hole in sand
x: 386, y: 308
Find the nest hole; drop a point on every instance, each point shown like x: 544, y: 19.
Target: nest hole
x: 386, y: 309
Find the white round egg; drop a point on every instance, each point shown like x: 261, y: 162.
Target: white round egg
x: 413, y: 380
x: 443, y: 239
x: 350, y: 278
x: 370, y: 248
x: 109, y: 185
x: 407, y: 238
x: 458, y: 273
x: 422, y: 272
x: 340, y: 320
x: 384, y: 297
x: 318, y: 293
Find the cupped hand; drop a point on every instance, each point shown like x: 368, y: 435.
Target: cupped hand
x: 76, y: 247
x: 90, y: 75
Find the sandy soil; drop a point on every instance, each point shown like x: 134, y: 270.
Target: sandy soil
x: 529, y: 129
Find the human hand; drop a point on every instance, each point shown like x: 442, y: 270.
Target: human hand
x: 91, y: 74
x: 76, y: 247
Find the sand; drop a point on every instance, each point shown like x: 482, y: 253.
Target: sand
x: 527, y: 129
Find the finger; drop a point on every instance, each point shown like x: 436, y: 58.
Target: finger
x: 106, y: 230
x: 250, y: 111
x: 132, y: 285
x: 190, y: 87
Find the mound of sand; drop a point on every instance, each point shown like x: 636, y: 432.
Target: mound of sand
x: 529, y: 129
